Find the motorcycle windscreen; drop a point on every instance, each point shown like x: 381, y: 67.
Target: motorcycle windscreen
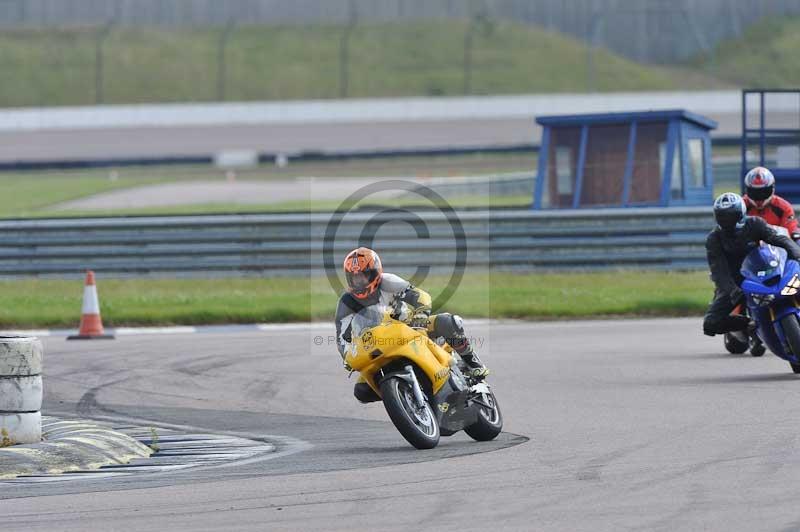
x: 367, y: 318
x: 764, y: 263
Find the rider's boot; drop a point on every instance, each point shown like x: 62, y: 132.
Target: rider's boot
x: 451, y: 328
x: 757, y: 347
x: 364, y: 393
x: 476, y: 368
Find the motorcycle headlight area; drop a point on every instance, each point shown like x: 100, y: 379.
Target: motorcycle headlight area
x: 762, y: 301
x: 791, y: 287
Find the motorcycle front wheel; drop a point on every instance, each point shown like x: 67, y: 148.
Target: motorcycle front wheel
x: 417, y: 423
x: 791, y: 330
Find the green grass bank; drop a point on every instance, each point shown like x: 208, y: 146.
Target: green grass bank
x: 57, y: 303
x: 765, y: 56
x: 139, y: 65
x: 61, y: 67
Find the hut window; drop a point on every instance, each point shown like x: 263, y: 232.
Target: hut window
x: 676, y: 182
x: 563, y: 170
x: 697, y: 163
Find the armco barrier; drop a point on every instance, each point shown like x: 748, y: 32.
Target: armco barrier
x: 20, y: 390
x: 281, y: 244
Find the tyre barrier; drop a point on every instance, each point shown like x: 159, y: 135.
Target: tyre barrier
x: 20, y: 390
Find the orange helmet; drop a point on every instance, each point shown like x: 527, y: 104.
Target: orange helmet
x: 363, y: 270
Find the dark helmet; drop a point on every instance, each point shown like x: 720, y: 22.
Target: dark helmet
x: 760, y: 186
x: 729, y: 211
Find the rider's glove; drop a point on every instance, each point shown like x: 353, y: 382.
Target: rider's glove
x: 401, y: 311
x: 419, y: 321
x: 347, y: 367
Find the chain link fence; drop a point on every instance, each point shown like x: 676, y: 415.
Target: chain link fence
x: 646, y: 30
x: 80, y: 52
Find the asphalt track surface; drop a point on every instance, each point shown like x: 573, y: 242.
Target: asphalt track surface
x: 611, y: 425
x: 132, y: 142
x: 239, y: 192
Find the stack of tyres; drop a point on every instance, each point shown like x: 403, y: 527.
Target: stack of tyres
x: 20, y: 390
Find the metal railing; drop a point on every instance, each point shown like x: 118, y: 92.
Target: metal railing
x: 292, y: 244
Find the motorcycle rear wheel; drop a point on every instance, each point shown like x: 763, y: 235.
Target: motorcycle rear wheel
x: 791, y: 330
x: 734, y: 345
x: 490, y: 421
x: 418, y: 426
x: 757, y: 349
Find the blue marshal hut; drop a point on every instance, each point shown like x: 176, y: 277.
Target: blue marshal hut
x: 654, y: 158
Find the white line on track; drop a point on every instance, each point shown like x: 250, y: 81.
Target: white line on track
x: 204, y: 329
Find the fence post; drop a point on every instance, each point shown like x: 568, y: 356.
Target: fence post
x: 703, y: 44
x: 344, y: 51
x: 99, y: 62
x: 468, y: 43
x: 598, y: 17
x: 222, y: 64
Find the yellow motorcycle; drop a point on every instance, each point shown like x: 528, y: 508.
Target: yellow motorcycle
x: 421, y: 383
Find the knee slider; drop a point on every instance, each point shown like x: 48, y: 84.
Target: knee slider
x: 451, y: 328
x: 448, y: 326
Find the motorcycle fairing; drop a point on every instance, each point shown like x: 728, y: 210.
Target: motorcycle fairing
x: 393, y: 341
x: 771, y: 333
x: 764, y: 263
x: 767, y: 272
x: 453, y: 409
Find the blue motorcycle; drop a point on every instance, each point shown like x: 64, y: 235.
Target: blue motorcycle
x: 771, y: 285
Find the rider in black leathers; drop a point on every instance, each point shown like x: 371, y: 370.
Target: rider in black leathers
x: 726, y: 248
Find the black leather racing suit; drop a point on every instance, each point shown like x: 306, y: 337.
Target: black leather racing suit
x: 726, y: 250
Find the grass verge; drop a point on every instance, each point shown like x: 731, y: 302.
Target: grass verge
x: 57, y: 303
x: 765, y: 56
x: 26, y: 195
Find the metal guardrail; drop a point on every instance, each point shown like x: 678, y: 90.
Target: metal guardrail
x: 292, y: 244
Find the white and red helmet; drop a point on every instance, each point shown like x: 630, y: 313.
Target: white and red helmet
x: 760, y: 186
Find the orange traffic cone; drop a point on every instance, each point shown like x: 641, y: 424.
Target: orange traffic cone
x: 91, y: 324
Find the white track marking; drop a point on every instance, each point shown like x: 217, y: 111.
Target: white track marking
x: 208, y: 329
